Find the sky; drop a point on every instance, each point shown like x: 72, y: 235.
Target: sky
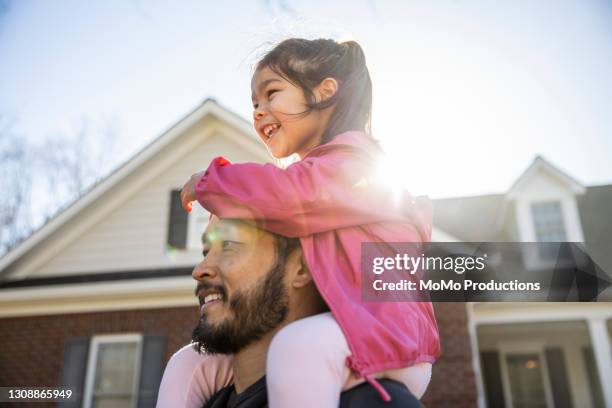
x: 466, y: 92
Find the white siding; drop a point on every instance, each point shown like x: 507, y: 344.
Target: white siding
x: 130, y: 227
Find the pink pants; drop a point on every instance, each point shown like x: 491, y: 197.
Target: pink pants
x: 308, y: 351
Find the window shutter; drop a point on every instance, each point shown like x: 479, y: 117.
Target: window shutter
x: 555, y: 362
x: 492, y: 379
x: 177, y: 222
x: 76, y: 353
x: 593, y: 376
x: 151, y: 369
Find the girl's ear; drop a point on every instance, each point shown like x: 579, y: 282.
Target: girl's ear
x: 326, y: 89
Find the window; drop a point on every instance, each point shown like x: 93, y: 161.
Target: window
x: 177, y: 222
x: 526, y: 381
x: 112, y: 371
x: 548, y: 223
x: 196, y: 224
x: 185, y: 229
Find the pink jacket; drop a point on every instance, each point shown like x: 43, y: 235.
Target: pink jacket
x: 329, y: 200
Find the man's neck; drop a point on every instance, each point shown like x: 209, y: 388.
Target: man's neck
x: 249, y: 364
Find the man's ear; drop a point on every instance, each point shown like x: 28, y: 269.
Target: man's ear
x: 299, y: 273
x: 326, y: 89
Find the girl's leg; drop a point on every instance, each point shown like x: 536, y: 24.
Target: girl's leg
x: 416, y: 377
x: 306, y: 364
x: 190, y: 379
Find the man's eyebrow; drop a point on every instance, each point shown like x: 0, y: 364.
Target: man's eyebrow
x: 219, y: 230
x: 263, y: 85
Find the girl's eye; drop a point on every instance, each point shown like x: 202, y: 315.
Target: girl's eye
x: 270, y: 92
x: 205, y: 252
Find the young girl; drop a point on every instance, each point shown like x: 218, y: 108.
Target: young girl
x: 314, y: 99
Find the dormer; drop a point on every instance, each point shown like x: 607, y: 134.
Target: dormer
x: 546, y: 206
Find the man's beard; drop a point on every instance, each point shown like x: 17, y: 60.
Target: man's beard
x: 255, y: 313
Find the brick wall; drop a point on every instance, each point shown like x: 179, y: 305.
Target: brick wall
x: 31, y: 348
x: 453, y: 383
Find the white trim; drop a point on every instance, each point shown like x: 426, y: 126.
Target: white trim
x: 497, y: 313
x: 600, y: 340
x: 539, y: 163
x: 209, y: 107
x: 97, y: 297
x: 96, y: 341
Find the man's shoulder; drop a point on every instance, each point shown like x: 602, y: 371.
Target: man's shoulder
x: 361, y: 396
x: 364, y: 395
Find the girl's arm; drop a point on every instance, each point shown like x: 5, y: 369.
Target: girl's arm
x: 313, y: 195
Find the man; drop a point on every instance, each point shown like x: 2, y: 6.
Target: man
x: 251, y: 283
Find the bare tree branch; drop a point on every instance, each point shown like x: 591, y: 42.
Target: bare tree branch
x: 54, y: 174
x: 15, y: 186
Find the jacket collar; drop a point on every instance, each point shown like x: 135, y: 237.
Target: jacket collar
x: 353, y: 138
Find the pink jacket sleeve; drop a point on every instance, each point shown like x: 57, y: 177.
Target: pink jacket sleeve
x: 321, y: 193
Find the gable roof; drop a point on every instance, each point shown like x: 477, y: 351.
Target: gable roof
x: 207, y: 108
x: 491, y: 218
x: 541, y: 164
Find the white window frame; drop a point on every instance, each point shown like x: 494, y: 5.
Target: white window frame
x: 195, y: 227
x: 526, y: 347
x: 96, y: 341
x: 571, y: 223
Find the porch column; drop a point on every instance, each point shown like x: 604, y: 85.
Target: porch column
x: 603, y: 356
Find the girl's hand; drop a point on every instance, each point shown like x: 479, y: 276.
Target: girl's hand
x: 188, y: 192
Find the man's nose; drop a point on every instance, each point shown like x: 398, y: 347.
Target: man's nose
x: 204, y: 270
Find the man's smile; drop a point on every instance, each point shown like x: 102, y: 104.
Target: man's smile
x: 209, y: 296
x: 208, y: 304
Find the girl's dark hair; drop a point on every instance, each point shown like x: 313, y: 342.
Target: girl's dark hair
x: 306, y: 63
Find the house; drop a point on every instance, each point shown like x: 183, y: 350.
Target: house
x: 101, y: 296
x: 539, y: 354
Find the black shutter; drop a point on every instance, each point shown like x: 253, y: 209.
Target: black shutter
x: 151, y: 369
x: 558, y: 377
x: 593, y: 377
x: 491, y: 373
x: 177, y: 222
x: 76, y: 354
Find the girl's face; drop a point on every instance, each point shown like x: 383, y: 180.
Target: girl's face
x: 277, y: 105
